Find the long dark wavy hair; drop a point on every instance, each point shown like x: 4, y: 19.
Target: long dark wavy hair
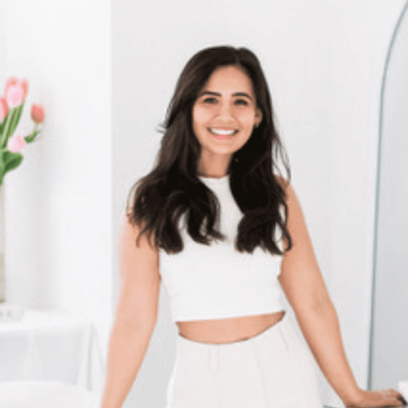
x: 172, y: 188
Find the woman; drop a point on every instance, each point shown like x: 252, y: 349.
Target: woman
x: 223, y: 231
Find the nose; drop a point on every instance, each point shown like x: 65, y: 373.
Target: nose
x: 225, y: 112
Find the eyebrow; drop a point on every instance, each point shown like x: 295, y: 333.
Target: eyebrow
x: 218, y: 94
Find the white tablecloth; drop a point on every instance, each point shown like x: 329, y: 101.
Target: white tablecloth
x: 50, y: 346
x: 45, y: 394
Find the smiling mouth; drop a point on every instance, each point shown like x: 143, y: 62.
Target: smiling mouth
x: 222, y: 132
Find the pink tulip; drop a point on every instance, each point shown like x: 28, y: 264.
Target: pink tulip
x: 16, y: 91
x: 16, y: 143
x: 3, y: 109
x: 15, y: 95
x: 37, y: 113
x: 15, y: 81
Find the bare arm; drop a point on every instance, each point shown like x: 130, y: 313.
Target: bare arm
x: 306, y: 291
x: 135, y: 317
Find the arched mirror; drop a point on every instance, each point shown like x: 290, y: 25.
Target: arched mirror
x: 389, y: 334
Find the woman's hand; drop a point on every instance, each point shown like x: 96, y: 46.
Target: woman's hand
x: 379, y: 398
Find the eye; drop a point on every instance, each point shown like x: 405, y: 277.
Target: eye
x: 241, y: 102
x: 210, y: 100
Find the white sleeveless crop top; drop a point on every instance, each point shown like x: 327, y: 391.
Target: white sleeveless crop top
x: 216, y: 281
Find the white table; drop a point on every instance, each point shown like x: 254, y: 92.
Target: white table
x: 47, y: 346
x: 45, y: 394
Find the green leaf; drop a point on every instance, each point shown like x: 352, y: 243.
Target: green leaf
x: 9, y: 161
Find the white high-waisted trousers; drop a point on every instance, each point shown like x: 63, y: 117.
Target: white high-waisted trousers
x: 270, y: 370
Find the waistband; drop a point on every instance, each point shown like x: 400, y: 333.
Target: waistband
x: 272, y: 340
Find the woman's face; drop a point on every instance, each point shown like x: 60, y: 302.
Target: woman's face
x: 225, y: 113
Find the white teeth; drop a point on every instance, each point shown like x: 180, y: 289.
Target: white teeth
x: 222, y: 131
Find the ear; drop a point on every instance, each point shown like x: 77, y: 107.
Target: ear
x: 258, y: 117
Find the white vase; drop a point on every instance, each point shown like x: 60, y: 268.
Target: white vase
x: 2, y: 246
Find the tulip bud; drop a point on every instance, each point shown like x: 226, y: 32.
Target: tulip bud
x: 3, y: 109
x: 14, y: 95
x: 37, y: 113
x: 16, y: 143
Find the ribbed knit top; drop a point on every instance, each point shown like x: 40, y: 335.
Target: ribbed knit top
x: 216, y: 281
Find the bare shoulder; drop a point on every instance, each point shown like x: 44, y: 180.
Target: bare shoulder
x: 290, y: 195
x: 294, y: 216
x: 139, y: 249
x: 144, y: 247
x: 282, y: 181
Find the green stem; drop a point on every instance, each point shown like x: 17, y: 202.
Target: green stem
x: 31, y: 137
x: 4, y: 136
x: 17, y: 117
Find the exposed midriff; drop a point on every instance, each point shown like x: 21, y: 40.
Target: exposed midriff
x: 228, y: 330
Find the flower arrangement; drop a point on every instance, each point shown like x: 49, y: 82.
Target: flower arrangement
x: 11, y: 109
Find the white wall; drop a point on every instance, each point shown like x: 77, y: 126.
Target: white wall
x: 2, y: 44
x: 58, y: 202
x: 324, y: 64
